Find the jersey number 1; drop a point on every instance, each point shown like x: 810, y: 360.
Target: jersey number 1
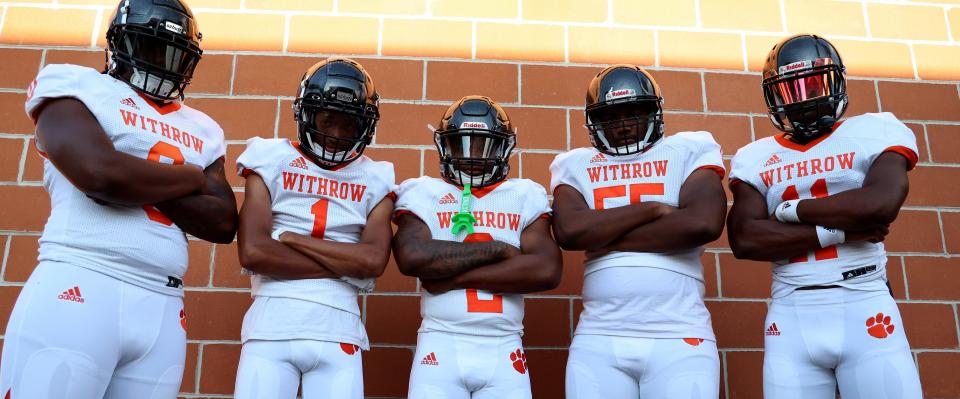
x: 165, y: 150
x: 817, y: 190
x: 474, y: 303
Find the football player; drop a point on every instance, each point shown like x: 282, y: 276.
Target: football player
x: 817, y: 200
x: 314, y: 230
x: 642, y: 206
x: 477, y: 241
x: 130, y: 169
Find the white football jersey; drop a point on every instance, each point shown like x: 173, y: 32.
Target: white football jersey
x: 607, y: 181
x: 782, y: 170
x: 135, y: 244
x: 332, y: 204
x: 503, y: 211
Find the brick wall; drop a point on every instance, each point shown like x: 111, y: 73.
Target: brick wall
x: 536, y: 57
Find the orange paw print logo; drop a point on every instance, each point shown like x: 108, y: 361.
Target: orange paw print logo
x: 349, y: 349
x: 879, y: 326
x: 693, y: 341
x: 183, y: 319
x: 519, y: 360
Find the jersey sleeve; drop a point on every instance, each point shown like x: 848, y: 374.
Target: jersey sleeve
x: 705, y: 153
x: 219, y: 148
x: 535, y: 203
x: 256, y: 158
x: 386, y: 186
x: 411, y: 197
x: 891, y: 135
x: 560, y: 170
x: 741, y: 170
x: 57, y: 81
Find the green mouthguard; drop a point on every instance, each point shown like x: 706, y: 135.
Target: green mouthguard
x: 464, y: 220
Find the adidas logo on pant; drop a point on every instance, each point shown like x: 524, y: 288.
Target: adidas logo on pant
x: 430, y: 360
x: 72, y: 294
x: 773, y: 330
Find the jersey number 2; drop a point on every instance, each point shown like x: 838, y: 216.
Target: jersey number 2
x: 817, y: 190
x: 474, y: 303
x: 165, y: 150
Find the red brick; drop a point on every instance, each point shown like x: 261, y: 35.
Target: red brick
x: 288, y: 126
x: 516, y: 41
x: 393, y: 281
x: 386, y: 371
x: 944, y: 142
x: 895, y: 277
x: 13, y: 118
x: 219, y: 371
x: 215, y: 315
x: 762, y: 127
x: 94, y: 59
x: 25, y: 209
x: 406, y: 37
x: 269, y: 75
x: 920, y: 101
x: 552, y: 85
x: 18, y: 75
x: 22, y: 258
x: 681, y: 90
x: 546, y: 322
x: 396, y: 79
x: 734, y: 93
x: 198, y: 271
x: 452, y: 80
x: 930, y: 277
x: 915, y: 231
x: 407, y: 123
x: 10, y: 152
x: 226, y: 267
x: 738, y: 324
x: 213, y: 74
x: 709, y: 262
x: 927, y: 186
x: 8, y: 296
x: 929, y: 325
x: 539, y: 128
x: 745, y: 374
x: 328, y: 34
x: 547, y: 370
x: 393, y: 319
x: 921, y: 141
x: 951, y: 231
x: 862, y: 97
x: 406, y: 162
x: 740, y: 278
x: 536, y: 167
x: 579, y: 135
x: 938, y: 374
x: 189, y: 383
x: 262, y: 32
x: 731, y: 131
x: 33, y: 167
x: 240, y: 119
x: 45, y: 26
x: 230, y: 165
x: 572, y: 280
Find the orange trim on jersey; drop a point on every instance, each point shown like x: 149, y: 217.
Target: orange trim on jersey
x: 734, y: 181
x: 544, y: 216
x: 162, y: 109
x: 716, y: 169
x: 296, y: 146
x: 392, y: 195
x: 787, y: 143
x: 401, y: 212
x: 246, y: 172
x: 906, y: 152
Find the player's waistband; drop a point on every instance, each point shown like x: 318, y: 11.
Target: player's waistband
x: 831, y: 296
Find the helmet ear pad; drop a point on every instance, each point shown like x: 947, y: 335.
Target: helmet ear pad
x: 339, y: 92
x: 624, y: 110
x: 475, y: 141
x: 153, y: 46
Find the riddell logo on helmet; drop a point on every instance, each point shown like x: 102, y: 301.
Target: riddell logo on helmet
x: 620, y: 93
x: 473, y: 125
x: 170, y: 26
x: 795, y: 66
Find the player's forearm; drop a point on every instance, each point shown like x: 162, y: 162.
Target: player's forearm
x: 770, y: 240
x: 680, y: 230
x: 203, y: 216
x: 273, y: 259
x: 127, y: 180
x: 518, y: 275
x: 437, y: 259
x: 590, y: 229
x: 356, y: 260
x: 851, y: 210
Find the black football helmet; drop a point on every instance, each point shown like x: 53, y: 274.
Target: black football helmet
x: 624, y: 110
x: 336, y: 87
x: 475, y: 139
x: 804, y: 86
x: 154, y: 46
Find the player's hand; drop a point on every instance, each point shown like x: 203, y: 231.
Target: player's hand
x: 437, y: 287
x: 874, y: 235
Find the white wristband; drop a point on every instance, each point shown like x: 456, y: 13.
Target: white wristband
x: 828, y: 236
x: 787, y: 211
x: 276, y: 234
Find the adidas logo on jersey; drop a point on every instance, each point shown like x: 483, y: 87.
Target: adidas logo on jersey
x: 430, y: 360
x: 775, y: 159
x: 72, y: 294
x: 773, y: 330
x: 598, y: 158
x: 448, y: 199
x: 129, y: 102
x: 299, y: 163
